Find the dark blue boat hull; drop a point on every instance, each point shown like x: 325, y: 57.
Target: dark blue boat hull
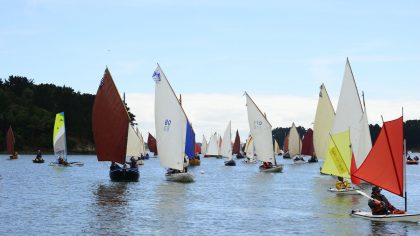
x: 125, y: 175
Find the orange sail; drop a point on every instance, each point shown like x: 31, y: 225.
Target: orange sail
x: 109, y: 122
x: 384, y: 164
x: 307, y: 143
x: 286, y: 143
x: 10, y: 141
x: 236, y: 144
x: 151, y: 144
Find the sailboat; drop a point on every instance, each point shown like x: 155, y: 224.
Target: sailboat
x: 261, y: 132
x: 110, y: 126
x: 295, y: 145
x: 277, y: 150
x: 350, y: 114
x: 172, y: 125
x: 390, y: 174
x: 226, y: 146
x: 324, y: 121
x: 10, y: 143
x: 135, y: 147
x: 60, y: 143
x: 236, y: 150
x: 151, y: 144
x: 250, y: 151
x: 308, y: 146
x: 338, y: 160
x: 203, y: 145
x: 286, y: 154
x: 213, y: 147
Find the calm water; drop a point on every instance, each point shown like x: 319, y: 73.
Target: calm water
x: 37, y: 199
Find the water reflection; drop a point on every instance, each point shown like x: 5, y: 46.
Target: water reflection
x: 110, y: 209
x: 387, y: 228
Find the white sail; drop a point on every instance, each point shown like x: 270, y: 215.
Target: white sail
x: 213, y: 147
x: 249, y: 148
x: 324, y: 121
x: 295, y: 143
x: 204, y: 145
x: 276, y: 147
x: 142, y: 145
x: 133, y: 143
x: 59, y: 136
x: 365, y: 141
x: 170, y: 123
x: 226, y: 147
x: 350, y: 115
x: 261, y: 132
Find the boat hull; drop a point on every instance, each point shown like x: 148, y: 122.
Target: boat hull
x: 348, y: 191
x: 390, y: 217
x: 217, y: 156
x: 38, y: 161
x: 274, y: 169
x: 13, y: 157
x: 230, y: 163
x: 194, y: 162
x: 286, y: 156
x: 412, y: 162
x: 180, y: 177
x: 299, y: 162
x: 125, y: 175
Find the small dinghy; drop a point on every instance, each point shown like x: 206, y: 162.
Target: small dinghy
x: 125, y: 175
x: 180, y: 177
x: 38, y: 161
x: 299, y: 160
x: 347, y: 191
x: 278, y: 168
x: 389, y: 217
x: 412, y: 162
x: 231, y: 162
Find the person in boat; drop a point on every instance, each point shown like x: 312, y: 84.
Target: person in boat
x: 380, y: 204
x: 409, y: 158
x: 313, y: 158
x: 341, y: 183
x: 172, y: 171
x: 61, y: 160
x: 141, y: 156
x: 133, y: 162
x: 147, y: 155
x: 15, y: 155
x: 239, y: 156
x: 185, y: 165
x: 38, y: 156
x: 299, y: 158
x: 114, y: 166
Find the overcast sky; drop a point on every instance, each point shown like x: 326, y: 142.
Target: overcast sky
x: 213, y: 50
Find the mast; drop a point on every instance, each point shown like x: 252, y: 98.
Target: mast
x: 65, y: 138
x: 404, y: 166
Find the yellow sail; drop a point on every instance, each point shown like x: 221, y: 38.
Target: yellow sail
x: 338, y: 156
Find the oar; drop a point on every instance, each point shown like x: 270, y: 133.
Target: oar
x: 364, y: 194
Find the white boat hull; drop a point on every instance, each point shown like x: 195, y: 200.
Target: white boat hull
x: 299, y: 162
x: 347, y: 191
x: 390, y: 217
x: 180, y: 177
x: 274, y: 169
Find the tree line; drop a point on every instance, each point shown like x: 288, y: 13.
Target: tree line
x: 30, y: 110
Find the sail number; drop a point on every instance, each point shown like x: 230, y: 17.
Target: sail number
x: 257, y: 124
x: 167, y: 125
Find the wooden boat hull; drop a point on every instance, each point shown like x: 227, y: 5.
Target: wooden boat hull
x: 180, y: 177
x: 13, y: 157
x: 230, y: 163
x: 125, y: 175
x: 274, y: 169
x: 38, y: 161
x: 194, y: 162
x: 390, y: 217
x: 348, y: 191
x: 412, y: 162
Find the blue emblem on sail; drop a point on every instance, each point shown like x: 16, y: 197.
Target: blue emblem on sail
x: 156, y: 76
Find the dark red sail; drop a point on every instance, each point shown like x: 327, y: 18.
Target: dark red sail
x: 109, y: 122
x: 286, y: 144
x: 236, y: 144
x: 307, y: 143
x: 10, y: 141
x: 151, y: 143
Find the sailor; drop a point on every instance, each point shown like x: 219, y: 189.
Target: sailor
x: 133, y: 162
x: 380, y: 204
x: 341, y: 183
x: 114, y: 166
x: 38, y: 155
x: 416, y: 158
x: 61, y: 161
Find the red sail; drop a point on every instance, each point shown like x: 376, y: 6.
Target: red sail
x: 384, y: 164
x: 197, y: 149
x: 151, y: 143
x: 307, y: 143
x: 10, y: 141
x: 236, y: 144
x: 109, y: 122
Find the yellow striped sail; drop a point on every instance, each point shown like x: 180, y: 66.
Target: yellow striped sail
x: 59, y: 136
x: 338, y: 156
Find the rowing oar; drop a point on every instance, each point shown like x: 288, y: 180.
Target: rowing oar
x: 364, y: 194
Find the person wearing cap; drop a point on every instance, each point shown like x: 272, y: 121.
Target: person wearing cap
x: 380, y: 205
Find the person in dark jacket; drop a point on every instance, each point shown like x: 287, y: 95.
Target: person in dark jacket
x: 380, y: 204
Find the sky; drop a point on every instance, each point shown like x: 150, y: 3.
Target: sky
x: 213, y: 50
